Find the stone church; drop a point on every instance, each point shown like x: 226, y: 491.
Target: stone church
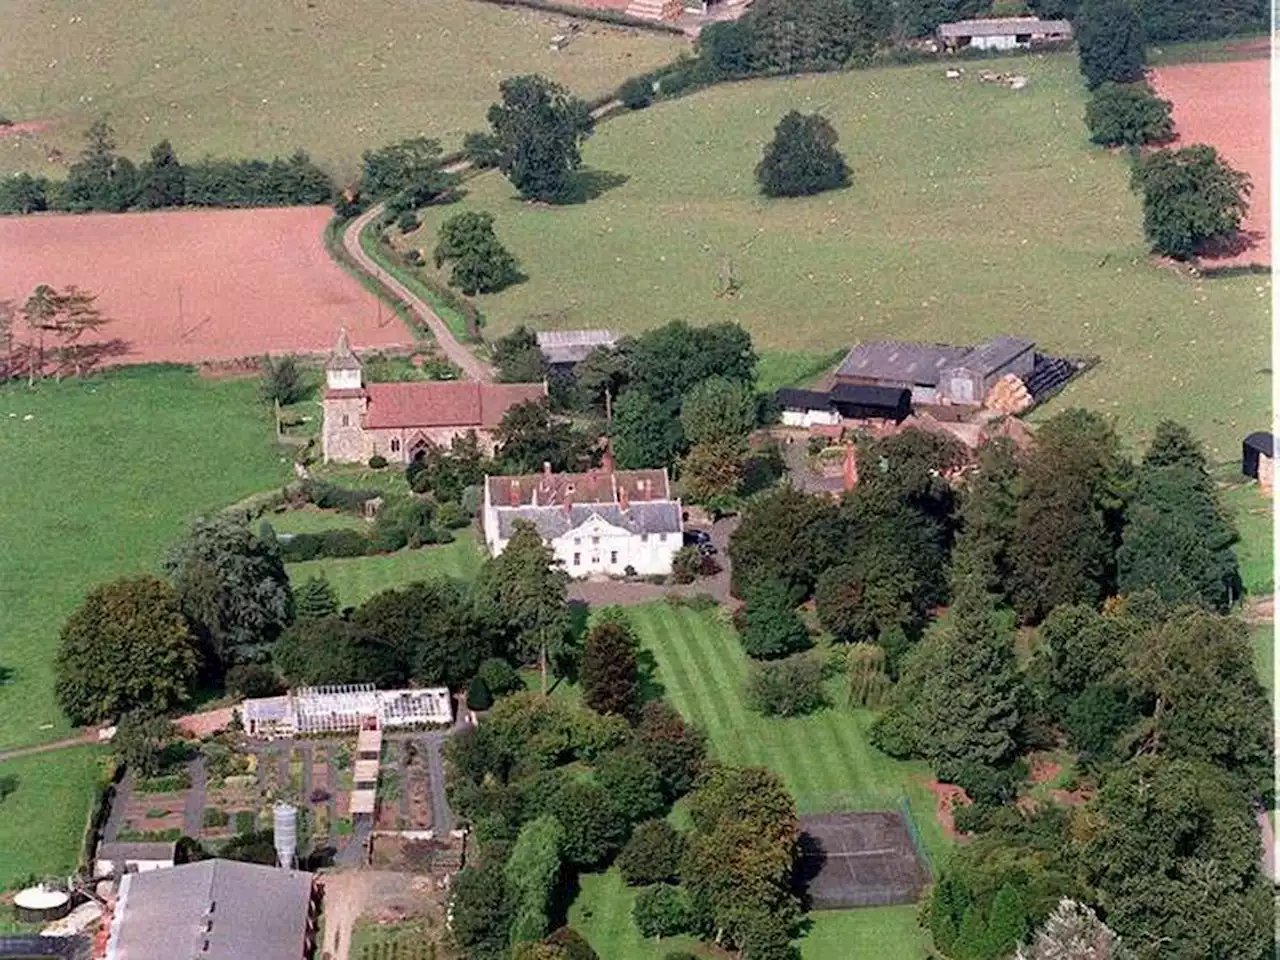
x: 400, y: 420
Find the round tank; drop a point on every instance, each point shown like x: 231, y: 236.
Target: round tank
x: 286, y: 833
x: 41, y: 904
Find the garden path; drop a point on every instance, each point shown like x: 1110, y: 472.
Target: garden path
x: 193, y: 807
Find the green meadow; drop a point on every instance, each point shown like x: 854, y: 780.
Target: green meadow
x: 356, y: 579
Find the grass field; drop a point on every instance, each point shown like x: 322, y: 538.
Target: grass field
x: 356, y: 579
x: 99, y: 481
x: 332, y: 78
x: 824, y: 759
x: 1263, y: 637
x: 42, y: 820
x: 1254, y: 516
x: 974, y: 210
x: 313, y: 521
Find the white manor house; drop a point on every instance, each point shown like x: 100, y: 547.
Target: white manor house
x: 606, y: 521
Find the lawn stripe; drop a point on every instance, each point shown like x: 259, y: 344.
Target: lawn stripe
x: 672, y: 670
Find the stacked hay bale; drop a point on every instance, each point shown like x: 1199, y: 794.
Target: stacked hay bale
x: 1009, y: 396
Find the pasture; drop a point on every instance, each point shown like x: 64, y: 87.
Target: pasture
x: 824, y: 759
x: 44, y: 804
x: 356, y: 579
x: 334, y: 79
x: 101, y: 476
x: 192, y: 285
x: 974, y: 210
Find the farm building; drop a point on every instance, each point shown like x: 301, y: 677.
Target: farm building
x: 937, y: 373
x: 217, y: 910
x: 400, y: 421
x: 343, y: 709
x: 565, y: 349
x: 1003, y: 33
x: 1258, y: 461
x: 599, y: 522
x: 112, y: 858
x: 845, y: 401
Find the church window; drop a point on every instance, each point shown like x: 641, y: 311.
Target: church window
x: 395, y: 446
x: 346, y: 420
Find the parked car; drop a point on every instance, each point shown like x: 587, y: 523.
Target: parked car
x: 696, y: 538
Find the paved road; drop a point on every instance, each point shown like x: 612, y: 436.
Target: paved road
x: 472, y: 369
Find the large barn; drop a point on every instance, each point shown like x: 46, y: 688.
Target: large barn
x: 937, y: 373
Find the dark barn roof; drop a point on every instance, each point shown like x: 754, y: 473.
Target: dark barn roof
x: 864, y: 395
x: 1261, y: 441
x: 792, y: 399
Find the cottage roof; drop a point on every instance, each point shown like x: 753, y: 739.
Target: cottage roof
x: 343, y: 357
x: 554, y: 522
x: 448, y: 403
x: 597, y: 486
x: 900, y: 361
x: 117, y: 852
x: 993, y: 354
x: 215, y: 909
x: 572, y: 346
x: 1004, y: 27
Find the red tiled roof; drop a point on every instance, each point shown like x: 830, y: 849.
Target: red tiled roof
x: 598, y: 486
x: 455, y: 403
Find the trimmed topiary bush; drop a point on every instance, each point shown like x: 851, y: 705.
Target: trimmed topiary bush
x: 499, y: 677
x: 377, y: 461
x: 478, y: 695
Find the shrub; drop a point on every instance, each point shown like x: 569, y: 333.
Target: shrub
x: 786, y: 688
x: 167, y: 784
x: 246, y: 820
x: 451, y: 515
x: 499, y: 676
x: 213, y: 817
x: 407, y: 222
x: 636, y: 93
x: 1120, y: 115
x: 661, y: 911
x: 652, y: 855
x: 674, y: 83
x: 253, y: 680
x: 343, y: 543
x: 377, y: 461
x: 1190, y: 199
x: 686, y: 564
x: 802, y: 159
x: 769, y: 625
x: 478, y: 695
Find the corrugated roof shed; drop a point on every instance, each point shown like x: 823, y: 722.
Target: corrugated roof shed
x: 994, y: 354
x: 1005, y: 27
x: 214, y: 910
x: 572, y: 346
x: 900, y: 361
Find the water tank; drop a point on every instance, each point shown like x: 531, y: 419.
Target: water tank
x: 42, y: 904
x: 286, y: 831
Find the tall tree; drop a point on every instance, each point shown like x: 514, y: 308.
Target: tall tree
x: 789, y: 536
x: 126, y: 648
x: 1070, y: 514
x: 234, y: 589
x: 532, y: 873
x: 1109, y: 36
x: 481, y: 264
x: 713, y: 469
x: 409, y: 166
x: 988, y: 514
x: 315, y: 598
x: 1191, y: 199
x: 1128, y: 115
x: 671, y: 745
x: 537, y: 131
x: 645, y: 433
x: 483, y: 909
x: 518, y: 358
x: 771, y: 628
x: 530, y: 436
x: 814, y: 35
x: 802, y: 158
x: 526, y: 589
x: 100, y: 179
x: 162, y: 181
x: 610, y: 677
x: 718, y: 408
x: 283, y: 381
x: 140, y: 741
x: 668, y: 361
x: 1073, y: 932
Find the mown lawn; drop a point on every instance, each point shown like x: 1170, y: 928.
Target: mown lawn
x: 44, y: 803
x: 356, y: 579
x: 100, y: 480
x: 974, y: 210
x: 824, y: 759
x: 313, y: 521
x: 334, y: 79
x: 1263, y: 638
x: 1254, y: 515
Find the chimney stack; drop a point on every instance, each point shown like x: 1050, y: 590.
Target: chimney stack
x: 623, y: 499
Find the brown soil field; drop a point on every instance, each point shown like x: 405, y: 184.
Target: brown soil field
x: 194, y: 285
x: 1227, y: 105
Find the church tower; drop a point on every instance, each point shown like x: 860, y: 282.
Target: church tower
x: 344, y: 404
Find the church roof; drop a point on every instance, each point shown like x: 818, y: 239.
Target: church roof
x: 343, y: 357
x: 447, y: 403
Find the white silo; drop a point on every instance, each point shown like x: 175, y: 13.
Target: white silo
x: 286, y: 834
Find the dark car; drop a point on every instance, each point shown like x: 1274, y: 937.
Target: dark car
x: 696, y: 538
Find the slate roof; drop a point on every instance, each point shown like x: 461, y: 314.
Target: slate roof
x: 450, y: 403
x: 901, y: 361
x: 1004, y: 27
x: 215, y: 910
x: 572, y: 346
x: 555, y: 522
x: 597, y: 486
x: 342, y: 358
x: 994, y: 354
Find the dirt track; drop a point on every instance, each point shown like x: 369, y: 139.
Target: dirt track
x: 1227, y: 106
x: 191, y: 285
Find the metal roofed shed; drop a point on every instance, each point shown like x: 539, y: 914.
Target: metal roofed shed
x: 114, y: 857
x: 215, y: 910
x: 1003, y: 33
x: 563, y: 348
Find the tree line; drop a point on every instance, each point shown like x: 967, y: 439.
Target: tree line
x: 1122, y: 576
x: 104, y: 180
